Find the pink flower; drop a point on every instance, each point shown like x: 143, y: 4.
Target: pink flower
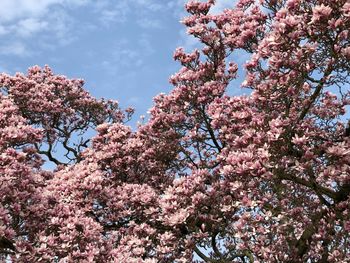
x: 320, y: 11
x: 299, y: 140
x: 338, y: 150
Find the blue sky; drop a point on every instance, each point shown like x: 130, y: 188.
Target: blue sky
x: 122, y: 48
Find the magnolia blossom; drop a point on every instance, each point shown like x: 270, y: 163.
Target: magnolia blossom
x: 209, y: 176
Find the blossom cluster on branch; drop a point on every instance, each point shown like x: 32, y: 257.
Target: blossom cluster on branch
x: 209, y: 177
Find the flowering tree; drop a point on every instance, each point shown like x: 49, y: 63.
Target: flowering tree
x: 263, y: 177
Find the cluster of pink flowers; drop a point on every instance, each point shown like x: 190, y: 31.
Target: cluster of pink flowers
x: 263, y: 177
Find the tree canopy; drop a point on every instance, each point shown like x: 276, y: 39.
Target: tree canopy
x: 209, y: 177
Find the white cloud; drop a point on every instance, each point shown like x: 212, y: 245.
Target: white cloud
x: 122, y: 55
x: 51, y: 23
x: 24, y: 19
x: 16, y: 48
x: 29, y: 26
x: 144, y: 11
x: 145, y: 45
x: 3, y: 30
x: 17, y: 9
x: 110, y: 15
x: 149, y: 4
x: 127, y: 54
x: 60, y: 24
x: 148, y: 23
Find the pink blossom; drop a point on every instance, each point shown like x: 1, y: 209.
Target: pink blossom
x: 320, y: 12
x: 260, y: 177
